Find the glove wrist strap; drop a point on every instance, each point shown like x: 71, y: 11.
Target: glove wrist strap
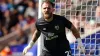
x: 79, y: 41
x: 31, y: 43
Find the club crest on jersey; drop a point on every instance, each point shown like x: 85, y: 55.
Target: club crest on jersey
x: 57, y: 27
x: 44, y: 28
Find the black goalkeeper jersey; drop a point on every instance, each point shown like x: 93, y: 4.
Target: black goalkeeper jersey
x: 54, y: 33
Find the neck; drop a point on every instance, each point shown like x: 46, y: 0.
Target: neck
x: 49, y: 19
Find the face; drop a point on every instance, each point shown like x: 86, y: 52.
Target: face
x: 47, y: 10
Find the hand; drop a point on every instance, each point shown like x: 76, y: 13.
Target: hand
x: 81, y: 48
x: 26, y: 49
x: 80, y: 45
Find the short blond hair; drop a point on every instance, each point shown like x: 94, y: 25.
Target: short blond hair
x: 49, y: 2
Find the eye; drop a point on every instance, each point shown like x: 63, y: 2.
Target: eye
x: 47, y: 8
x: 44, y: 8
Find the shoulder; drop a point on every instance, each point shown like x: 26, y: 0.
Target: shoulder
x: 58, y: 17
x: 62, y: 18
x: 40, y: 21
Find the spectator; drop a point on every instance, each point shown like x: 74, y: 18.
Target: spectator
x: 13, y: 21
x: 3, y: 6
x: 10, y: 5
x: 82, y: 24
x: 69, y: 3
x: 79, y: 21
x: 2, y: 24
x: 22, y: 22
x: 30, y: 11
x: 21, y: 7
x: 6, y: 19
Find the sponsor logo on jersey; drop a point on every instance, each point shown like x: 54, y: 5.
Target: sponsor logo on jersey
x: 51, y: 36
x: 57, y: 27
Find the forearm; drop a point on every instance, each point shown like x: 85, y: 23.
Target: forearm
x: 75, y: 32
x: 34, y: 38
x: 77, y: 35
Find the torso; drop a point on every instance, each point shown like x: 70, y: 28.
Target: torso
x: 53, y: 33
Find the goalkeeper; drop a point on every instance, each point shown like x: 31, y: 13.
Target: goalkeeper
x: 53, y: 29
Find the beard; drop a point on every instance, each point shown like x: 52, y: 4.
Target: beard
x: 47, y: 15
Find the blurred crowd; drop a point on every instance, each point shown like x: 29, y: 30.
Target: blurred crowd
x: 17, y: 15
x: 80, y: 12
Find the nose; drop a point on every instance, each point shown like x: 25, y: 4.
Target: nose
x: 46, y: 9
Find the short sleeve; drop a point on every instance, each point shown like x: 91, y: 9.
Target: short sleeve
x: 36, y: 26
x: 67, y: 23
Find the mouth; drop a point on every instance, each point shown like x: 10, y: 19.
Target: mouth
x: 46, y: 13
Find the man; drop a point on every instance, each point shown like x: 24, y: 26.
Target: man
x: 53, y: 29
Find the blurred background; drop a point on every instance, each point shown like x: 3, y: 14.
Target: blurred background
x: 17, y: 18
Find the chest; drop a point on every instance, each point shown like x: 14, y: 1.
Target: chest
x: 54, y: 26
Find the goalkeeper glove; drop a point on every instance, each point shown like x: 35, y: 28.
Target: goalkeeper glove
x: 80, y: 46
x: 26, y: 49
